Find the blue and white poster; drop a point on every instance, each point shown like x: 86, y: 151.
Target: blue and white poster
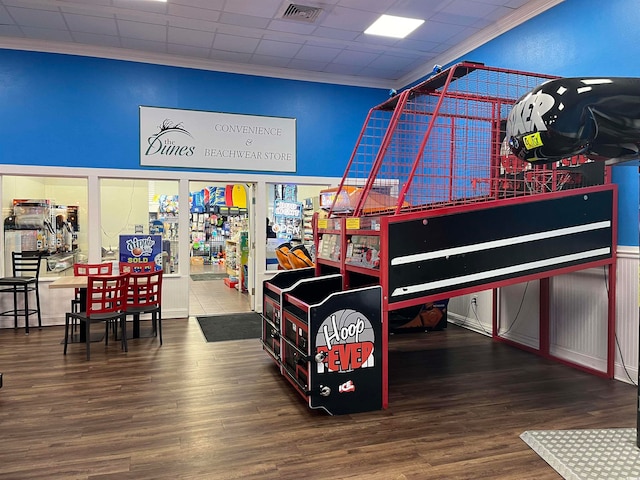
x: 138, y: 251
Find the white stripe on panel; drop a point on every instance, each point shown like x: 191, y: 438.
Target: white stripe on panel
x: 420, y: 257
x: 499, y: 272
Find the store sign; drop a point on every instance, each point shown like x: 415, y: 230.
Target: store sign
x: 197, y: 139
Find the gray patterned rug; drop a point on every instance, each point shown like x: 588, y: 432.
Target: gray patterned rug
x: 588, y: 454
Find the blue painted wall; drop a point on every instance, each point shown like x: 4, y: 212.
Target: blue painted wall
x: 64, y: 110
x: 580, y: 38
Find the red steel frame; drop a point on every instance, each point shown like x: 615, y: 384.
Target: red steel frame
x: 419, y: 141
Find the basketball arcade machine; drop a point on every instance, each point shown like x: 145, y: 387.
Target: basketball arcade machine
x: 431, y: 206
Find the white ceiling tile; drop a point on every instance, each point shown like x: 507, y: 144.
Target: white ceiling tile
x: 379, y: 73
x: 392, y: 62
x: 377, y: 40
x: 234, y: 57
x: 349, y: 19
x: 417, y: 8
x: 244, y: 20
x: 515, y: 3
x: 51, y: 34
x: 142, y: 17
x: 343, y: 69
x: 461, y: 36
x: 352, y: 57
x: 335, y: 33
x: 378, y: 6
x: 191, y: 13
x: 270, y: 60
x: 451, y: 19
x: 188, y: 51
x: 231, y: 43
x: 262, y: 8
x: 142, y: 5
x: 239, y: 31
x: 195, y: 38
x: 209, y: 4
x: 90, y: 2
x: 423, y: 46
x: 142, y: 31
x: 5, y: 18
x: 10, y: 31
x: 38, y: 18
x: 494, y: 16
x: 277, y: 49
x: 89, y: 10
x: 291, y: 26
x: 193, y: 24
x: 97, y: 39
x: 494, y: 2
x: 436, y: 32
x: 30, y: 4
x: 311, y: 65
x: 144, y: 45
x: 310, y: 52
x: 84, y: 23
x: 468, y: 8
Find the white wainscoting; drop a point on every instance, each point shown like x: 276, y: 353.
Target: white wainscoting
x: 627, y: 301
x: 578, y: 316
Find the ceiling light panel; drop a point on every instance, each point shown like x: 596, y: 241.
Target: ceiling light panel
x: 394, y: 27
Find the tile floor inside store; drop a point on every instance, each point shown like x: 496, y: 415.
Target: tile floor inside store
x: 213, y: 297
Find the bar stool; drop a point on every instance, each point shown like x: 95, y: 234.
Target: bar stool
x: 26, y: 272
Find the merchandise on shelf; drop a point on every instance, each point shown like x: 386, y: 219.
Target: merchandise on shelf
x: 364, y: 250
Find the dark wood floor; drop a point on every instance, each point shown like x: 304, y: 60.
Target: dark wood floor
x: 196, y: 410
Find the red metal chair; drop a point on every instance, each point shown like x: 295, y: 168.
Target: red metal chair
x: 144, y: 296
x: 106, y: 302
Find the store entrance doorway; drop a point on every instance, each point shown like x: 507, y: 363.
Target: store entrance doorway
x: 219, y: 232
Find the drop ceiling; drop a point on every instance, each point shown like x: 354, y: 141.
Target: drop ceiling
x: 302, y: 39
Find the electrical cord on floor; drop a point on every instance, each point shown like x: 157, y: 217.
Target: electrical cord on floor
x: 466, y: 324
x: 475, y: 314
x: 624, y: 365
x: 518, y: 313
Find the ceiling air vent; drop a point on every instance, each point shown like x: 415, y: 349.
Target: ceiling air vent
x: 301, y: 13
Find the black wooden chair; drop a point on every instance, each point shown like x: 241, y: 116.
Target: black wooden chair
x: 26, y: 272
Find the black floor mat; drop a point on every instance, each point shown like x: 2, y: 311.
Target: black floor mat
x: 233, y: 326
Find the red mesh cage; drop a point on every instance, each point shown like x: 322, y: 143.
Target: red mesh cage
x: 439, y: 143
